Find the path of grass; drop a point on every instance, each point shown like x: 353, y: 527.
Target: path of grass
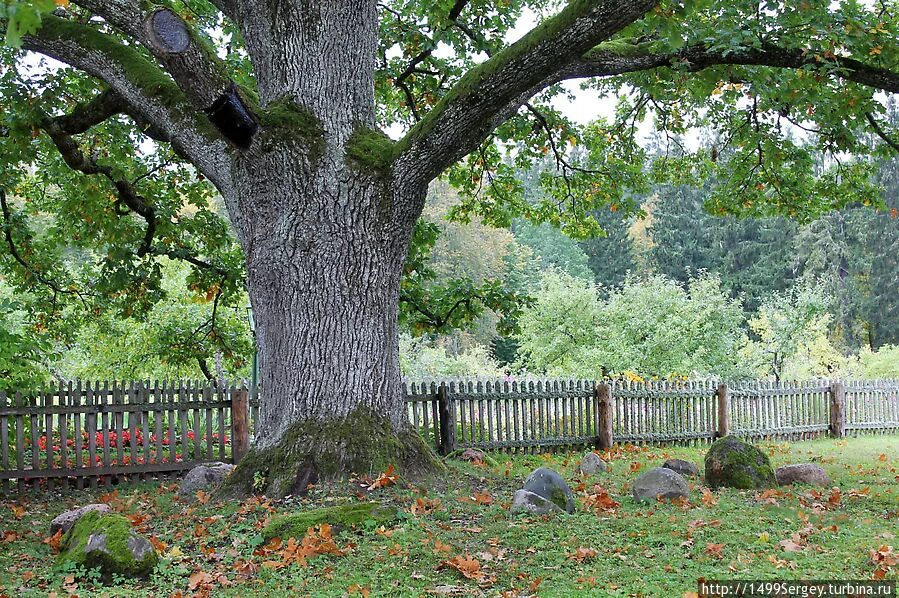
x: 628, y: 550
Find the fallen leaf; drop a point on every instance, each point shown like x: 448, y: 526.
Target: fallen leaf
x: 714, y: 550
x: 582, y: 554
x: 385, y: 479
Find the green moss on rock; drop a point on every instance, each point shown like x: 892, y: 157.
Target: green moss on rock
x: 355, y: 515
x: 107, y: 542
x: 733, y: 463
x: 363, y: 443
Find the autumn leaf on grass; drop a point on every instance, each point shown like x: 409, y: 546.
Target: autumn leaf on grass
x: 708, y: 498
x: 479, y: 498
x: 158, y: 544
x: 834, y: 500
x: 600, y: 501
x: 423, y: 506
x: 769, y: 496
x: 354, y: 589
x: 885, y: 559
x: 388, y: 478
x: 441, y: 547
x: 200, y: 580
x: 18, y: 511
x: 714, y: 550
x: 781, y: 563
x: 202, y: 497
x: 54, y: 540
x: 792, y: 544
x: 469, y: 568
x: 583, y: 554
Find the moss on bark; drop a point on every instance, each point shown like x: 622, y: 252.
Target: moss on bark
x: 313, y: 450
x: 355, y: 515
x: 285, y: 120
x: 371, y: 151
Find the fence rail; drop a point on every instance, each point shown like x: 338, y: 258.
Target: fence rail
x: 86, y: 433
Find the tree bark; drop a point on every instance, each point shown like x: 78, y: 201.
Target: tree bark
x: 325, y: 254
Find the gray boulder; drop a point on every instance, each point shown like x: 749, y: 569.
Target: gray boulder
x: 107, y: 542
x: 591, y: 463
x: 660, y: 483
x: 206, y: 476
x: 685, y: 468
x: 549, y: 485
x: 65, y: 521
x: 528, y: 502
x: 802, y: 473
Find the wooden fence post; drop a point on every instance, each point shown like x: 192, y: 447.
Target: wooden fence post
x: 447, y: 421
x: 240, y: 424
x: 837, y: 410
x: 723, y: 411
x: 602, y: 399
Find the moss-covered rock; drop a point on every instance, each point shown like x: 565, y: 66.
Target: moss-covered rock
x: 313, y: 450
x: 733, y: 463
x: 355, y: 515
x: 551, y: 486
x: 107, y: 542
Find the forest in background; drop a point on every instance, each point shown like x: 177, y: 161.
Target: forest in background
x: 673, y: 293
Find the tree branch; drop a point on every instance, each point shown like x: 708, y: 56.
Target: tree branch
x: 493, y: 90
x: 618, y: 58
x: 193, y: 66
x: 14, y: 252
x: 82, y: 118
x: 878, y: 128
x: 153, y: 99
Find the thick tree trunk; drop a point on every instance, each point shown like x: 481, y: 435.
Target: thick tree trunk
x: 325, y: 235
x: 324, y: 262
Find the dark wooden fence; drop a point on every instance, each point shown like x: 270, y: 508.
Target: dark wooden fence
x: 90, y: 434
x: 97, y: 433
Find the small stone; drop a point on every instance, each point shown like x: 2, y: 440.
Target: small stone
x: 65, y: 521
x: 528, y: 502
x: 660, y: 483
x: 802, y: 473
x: 206, y: 476
x: 685, y: 468
x: 108, y: 543
x: 472, y: 454
x: 591, y: 463
x: 550, y: 486
x: 733, y: 463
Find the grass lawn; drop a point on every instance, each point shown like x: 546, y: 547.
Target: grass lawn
x: 467, y: 544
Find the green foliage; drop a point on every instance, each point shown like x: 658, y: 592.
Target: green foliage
x: 876, y: 365
x: 553, y: 249
x: 420, y: 359
x: 431, y: 305
x: 169, y: 341
x: 23, y: 17
x: 788, y: 324
x: 654, y: 327
x: 23, y: 357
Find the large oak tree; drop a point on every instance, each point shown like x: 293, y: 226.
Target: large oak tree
x: 281, y: 107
